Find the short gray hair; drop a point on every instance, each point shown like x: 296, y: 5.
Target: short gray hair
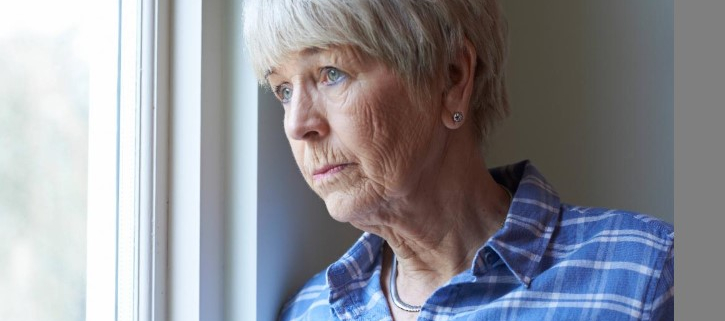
x: 416, y: 38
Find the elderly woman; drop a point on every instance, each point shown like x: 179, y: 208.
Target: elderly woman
x: 387, y: 104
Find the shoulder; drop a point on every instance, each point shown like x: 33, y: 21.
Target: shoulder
x: 612, y: 256
x: 311, y: 302
x: 613, y: 235
x: 613, y: 240
x: 634, y: 252
x: 593, y: 221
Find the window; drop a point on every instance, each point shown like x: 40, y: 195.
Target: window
x: 104, y: 145
x: 76, y: 131
x: 45, y: 95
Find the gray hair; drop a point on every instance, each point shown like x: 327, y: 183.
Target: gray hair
x: 416, y: 38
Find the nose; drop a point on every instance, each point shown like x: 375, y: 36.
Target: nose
x: 305, y: 120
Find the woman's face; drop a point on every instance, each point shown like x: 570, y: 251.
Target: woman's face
x: 357, y: 137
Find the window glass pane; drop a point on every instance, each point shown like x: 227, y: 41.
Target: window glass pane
x: 46, y: 49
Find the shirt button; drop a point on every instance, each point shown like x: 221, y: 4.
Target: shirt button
x: 490, y: 258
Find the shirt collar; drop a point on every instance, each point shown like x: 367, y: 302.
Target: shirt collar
x: 350, y: 276
x: 529, y: 225
x: 357, y: 263
x: 520, y: 244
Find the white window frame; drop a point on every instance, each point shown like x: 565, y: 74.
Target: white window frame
x: 127, y: 168
x: 186, y: 94
x: 153, y: 185
x: 203, y: 84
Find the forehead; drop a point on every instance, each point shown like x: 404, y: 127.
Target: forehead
x: 337, y: 56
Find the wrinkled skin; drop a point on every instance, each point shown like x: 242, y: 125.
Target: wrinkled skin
x: 364, y: 120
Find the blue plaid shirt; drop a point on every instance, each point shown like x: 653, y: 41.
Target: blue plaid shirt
x: 550, y: 261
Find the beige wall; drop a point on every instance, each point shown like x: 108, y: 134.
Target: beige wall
x: 591, y: 87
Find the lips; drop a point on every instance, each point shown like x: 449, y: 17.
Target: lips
x: 328, y: 170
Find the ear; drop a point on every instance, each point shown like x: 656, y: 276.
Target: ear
x: 459, y: 86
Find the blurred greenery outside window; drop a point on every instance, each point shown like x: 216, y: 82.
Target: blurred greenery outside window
x: 48, y: 52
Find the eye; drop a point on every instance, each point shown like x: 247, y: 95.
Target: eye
x: 332, y: 75
x: 283, y: 93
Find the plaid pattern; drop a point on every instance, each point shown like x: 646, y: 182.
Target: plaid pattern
x: 550, y: 261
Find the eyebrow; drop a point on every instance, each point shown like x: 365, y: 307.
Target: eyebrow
x: 267, y: 73
x: 306, y: 51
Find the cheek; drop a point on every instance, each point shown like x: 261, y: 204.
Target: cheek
x: 389, y: 136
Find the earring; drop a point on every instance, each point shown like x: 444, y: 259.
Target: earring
x: 458, y: 117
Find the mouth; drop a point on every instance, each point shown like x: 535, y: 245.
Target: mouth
x: 328, y: 171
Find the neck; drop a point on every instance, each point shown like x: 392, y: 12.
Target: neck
x: 436, y: 229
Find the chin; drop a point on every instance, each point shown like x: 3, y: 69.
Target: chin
x: 339, y: 209
x: 346, y: 208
